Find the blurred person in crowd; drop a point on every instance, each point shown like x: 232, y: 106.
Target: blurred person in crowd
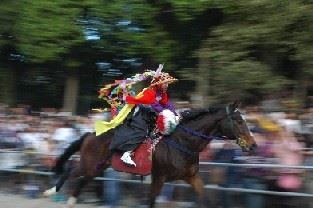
x: 64, y: 135
x: 9, y: 130
x: 287, y: 150
x: 225, y: 152
x: 308, y: 177
x: 271, y: 104
x: 83, y: 125
x: 306, y: 120
x: 276, y: 144
x: 291, y: 122
x: 48, y: 151
x: 257, y: 178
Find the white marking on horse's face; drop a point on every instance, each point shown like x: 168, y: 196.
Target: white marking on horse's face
x: 245, y: 120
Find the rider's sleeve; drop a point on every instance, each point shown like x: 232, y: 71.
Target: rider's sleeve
x: 148, y: 97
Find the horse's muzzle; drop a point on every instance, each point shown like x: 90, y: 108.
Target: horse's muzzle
x: 253, y: 147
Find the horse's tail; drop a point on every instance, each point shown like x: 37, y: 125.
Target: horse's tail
x: 69, y: 151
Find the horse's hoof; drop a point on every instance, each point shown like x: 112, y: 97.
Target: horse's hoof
x: 49, y: 192
x: 71, y: 202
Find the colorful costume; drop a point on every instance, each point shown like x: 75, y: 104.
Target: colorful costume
x: 142, y: 122
x: 134, y: 124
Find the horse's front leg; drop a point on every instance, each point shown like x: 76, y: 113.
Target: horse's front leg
x: 155, y: 189
x: 197, y: 184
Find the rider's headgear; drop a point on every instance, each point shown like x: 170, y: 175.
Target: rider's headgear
x: 162, y: 77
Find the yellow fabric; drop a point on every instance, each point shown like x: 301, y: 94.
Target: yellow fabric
x: 104, y: 126
x: 268, y: 125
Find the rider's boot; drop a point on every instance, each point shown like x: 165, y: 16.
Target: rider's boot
x: 126, y: 158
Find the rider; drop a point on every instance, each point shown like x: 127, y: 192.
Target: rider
x: 153, y: 100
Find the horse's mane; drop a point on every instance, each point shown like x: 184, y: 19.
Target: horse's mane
x: 196, y: 113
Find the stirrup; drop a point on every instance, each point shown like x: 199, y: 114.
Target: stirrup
x: 126, y: 158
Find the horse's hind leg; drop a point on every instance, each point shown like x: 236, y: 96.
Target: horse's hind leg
x: 80, y: 182
x: 69, y: 171
x: 156, y: 187
x: 197, y: 184
x: 60, y: 181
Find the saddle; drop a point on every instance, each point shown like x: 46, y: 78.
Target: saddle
x: 142, y: 157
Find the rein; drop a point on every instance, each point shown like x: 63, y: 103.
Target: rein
x: 203, y: 136
x: 198, y: 134
x: 184, y: 149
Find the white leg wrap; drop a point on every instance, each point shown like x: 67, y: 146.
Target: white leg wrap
x: 71, y: 202
x: 50, y: 192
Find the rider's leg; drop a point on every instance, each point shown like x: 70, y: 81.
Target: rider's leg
x: 126, y: 158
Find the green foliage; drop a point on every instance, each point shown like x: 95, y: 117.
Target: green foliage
x: 130, y: 30
x: 47, y: 30
x: 260, y: 47
x: 187, y: 10
x: 255, y: 46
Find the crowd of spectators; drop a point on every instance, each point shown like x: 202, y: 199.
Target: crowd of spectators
x: 284, y: 136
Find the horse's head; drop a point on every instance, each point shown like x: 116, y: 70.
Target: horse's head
x: 234, y: 127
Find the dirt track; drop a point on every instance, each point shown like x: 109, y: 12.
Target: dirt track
x: 18, y: 201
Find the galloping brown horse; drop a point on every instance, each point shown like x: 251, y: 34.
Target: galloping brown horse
x: 169, y: 162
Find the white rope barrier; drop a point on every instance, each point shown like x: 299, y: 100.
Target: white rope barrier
x: 257, y: 165
x: 26, y: 171
x: 209, y: 186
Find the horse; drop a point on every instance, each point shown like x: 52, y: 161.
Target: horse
x: 169, y: 162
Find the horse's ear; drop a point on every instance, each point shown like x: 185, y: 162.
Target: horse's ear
x: 235, y: 105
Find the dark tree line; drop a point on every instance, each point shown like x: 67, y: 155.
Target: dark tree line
x: 57, y: 53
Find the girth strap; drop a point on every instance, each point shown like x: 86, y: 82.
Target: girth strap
x: 178, y: 146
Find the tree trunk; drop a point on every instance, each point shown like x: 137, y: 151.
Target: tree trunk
x: 201, y: 98
x: 71, y: 93
x: 8, y: 86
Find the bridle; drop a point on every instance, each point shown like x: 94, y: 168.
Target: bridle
x: 241, y: 142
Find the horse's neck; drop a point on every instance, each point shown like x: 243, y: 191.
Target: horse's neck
x: 202, y: 126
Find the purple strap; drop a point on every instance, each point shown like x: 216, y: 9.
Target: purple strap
x: 159, y: 108
x: 169, y: 105
x: 198, y: 134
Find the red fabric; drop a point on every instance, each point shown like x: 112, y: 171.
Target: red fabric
x: 148, y: 97
x: 160, y: 123
x: 142, y: 157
